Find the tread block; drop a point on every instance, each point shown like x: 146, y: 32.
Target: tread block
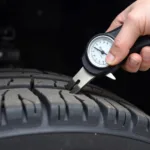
x: 87, y: 89
x: 108, y: 111
x: 4, y: 83
x: 91, y: 109
x: 13, y: 108
x: 43, y: 83
x: 54, y: 104
x: 75, y: 110
x: 20, y: 82
x: 20, y: 104
x: 64, y: 108
x: 11, y: 83
x: 61, y: 84
x: 123, y: 116
x: 32, y: 105
x: 115, y: 115
x: 140, y: 121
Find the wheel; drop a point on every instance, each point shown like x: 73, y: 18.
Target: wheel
x: 37, y: 112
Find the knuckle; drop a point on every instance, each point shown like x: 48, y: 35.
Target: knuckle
x: 120, y: 18
x: 137, y: 19
x: 119, y: 47
x: 132, y: 17
x: 117, y: 43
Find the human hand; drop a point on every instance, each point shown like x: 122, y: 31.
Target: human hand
x: 135, y: 21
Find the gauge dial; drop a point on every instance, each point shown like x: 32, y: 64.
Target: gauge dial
x: 98, y: 49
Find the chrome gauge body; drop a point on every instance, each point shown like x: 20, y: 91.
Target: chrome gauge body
x: 98, y: 49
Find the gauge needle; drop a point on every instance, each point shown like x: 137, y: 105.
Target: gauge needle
x: 103, y: 52
x: 100, y: 50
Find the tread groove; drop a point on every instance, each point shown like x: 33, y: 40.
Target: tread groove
x: 132, y: 115
x: 44, y: 102
x: 99, y: 104
x: 148, y: 124
x: 55, y: 83
x: 32, y: 84
x: 35, y: 111
x: 3, y: 110
x: 66, y: 105
x: 21, y: 98
x: 85, y: 109
x: 96, y: 101
x: 11, y: 80
x: 117, y: 112
x: 25, y: 117
x: 124, y: 122
x: 59, y: 113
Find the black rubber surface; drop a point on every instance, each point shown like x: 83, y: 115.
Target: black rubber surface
x: 36, y: 103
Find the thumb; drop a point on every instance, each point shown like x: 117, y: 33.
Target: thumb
x: 124, y: 40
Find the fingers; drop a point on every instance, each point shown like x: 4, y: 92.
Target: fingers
x: 124, y: 40
x: 138, y: 62
x: 145, y: 53
x: 133, y: 63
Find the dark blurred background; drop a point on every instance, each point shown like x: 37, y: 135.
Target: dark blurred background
x: 52, y: 35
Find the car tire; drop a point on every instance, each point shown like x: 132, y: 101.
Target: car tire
x: 37, y: 112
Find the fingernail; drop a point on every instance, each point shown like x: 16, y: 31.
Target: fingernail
x: 133, y: 62
x: 110, y: 58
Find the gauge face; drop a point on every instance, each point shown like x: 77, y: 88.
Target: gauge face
x: 98, y: 49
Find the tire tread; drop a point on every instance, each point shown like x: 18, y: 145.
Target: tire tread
x: 25, y: 94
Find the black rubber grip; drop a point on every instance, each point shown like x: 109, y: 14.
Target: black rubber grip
x: 114, y: 32
x: 140, y: 43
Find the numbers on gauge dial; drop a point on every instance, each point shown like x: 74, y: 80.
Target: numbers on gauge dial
x: 98, y: 51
